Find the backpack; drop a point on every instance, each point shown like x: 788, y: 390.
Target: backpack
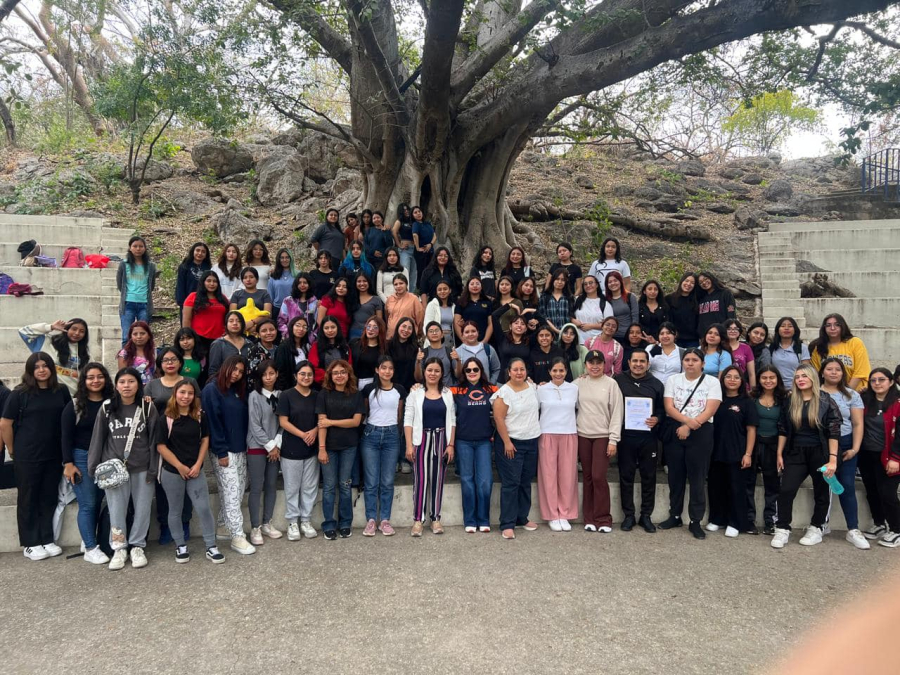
x: 96, y: 261
x: 19, y: 290
x: 5, y: 282
x: 73, y: 257
x: 44, y: 261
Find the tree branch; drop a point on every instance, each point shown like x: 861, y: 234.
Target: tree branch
x: 823, y: 43
x: 6, y: 8
x: 887, y: 42
x: 305, y: 16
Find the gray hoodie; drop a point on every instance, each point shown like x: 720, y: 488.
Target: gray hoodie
x: 110, y: 436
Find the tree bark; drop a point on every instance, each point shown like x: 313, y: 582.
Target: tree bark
x: 8, y: 124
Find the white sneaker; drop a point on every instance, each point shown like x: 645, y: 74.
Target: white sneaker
x: 223, y: 532
x: 875, y: 532
x: 712, y: 527
x: 555, y: 526
x: 96, y: 556
x: 118, y: 559
x: 138, y: 559
x: 781, y: 538
x: 605, y: 529
x: 52, y: 549
x: 565, y: 525
x: 812, y: 537
x: 242, y: 546
x: 36, y: 553
x: 256, y: 537
x: 731, y: 532
x: 856, y: 538
x: 270, y: 531
x: 293, y: 532
x: 590, y: 528
x: 308, y: 530
x: 890, y: 540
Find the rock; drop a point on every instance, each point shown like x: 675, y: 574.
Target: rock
x: 84, y: 213
x: 647, y: 192
x: 690, y: 167
x: 670, y: 188
x: 258, y: 139
x: 344, y: 180
x: 719, y: 207
x: 234, y: 204
x: 155, y: 170
x: 107, y: 163
x: 584, y: 182
x: 807, y: 267
x: 220, y: 157
x: 666, y: 205
x: 183, y: 172
x: 752, y: 179
x: 7, y: 191
x: 745, y: 289
x: 746, y: 218
x: 818, y: 285
x: 236, y: 178
x: 192, y: 203
x: 351, y: 200
x: 685, y: 216
x: 782, y: 210
x: 778, y: 190
x: 775, y: 157
x: 320, y: 153
x: 623, y: 191
x: 291, y: 137
x: 731, y: 172
x: 280, y: 178
x: 753, y: 163
x: 232, y: 226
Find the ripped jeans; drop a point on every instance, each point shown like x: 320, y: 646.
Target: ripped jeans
x: 337, y: 478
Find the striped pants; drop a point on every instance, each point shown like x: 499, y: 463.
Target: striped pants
x: 429, y: 468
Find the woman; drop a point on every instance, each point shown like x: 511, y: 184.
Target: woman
x: 887, y: 480
x: 139, y: 351
x: 564, y: 253
x: 204, y: 309
x: 367, y: 351
x: 611, y: 261
x: 195, y: 263
x: 404, y: 349
x: 606, y: 344
x: 527, y: 292
x: 653, y: 310
x: 291, y: 352
x: 715, y: 302
x: 483, y: 270
x: 786, y: 349
x: 377, y: 240
x: 741, y: 354
x: 516, y: 267
x: 473, y: 444
x: 623, y: 304
x: 716, y: 357
x: 71, y: 341
x: 263, y: 451
x: 850, y: 405
x: 515, y: 345
x: 434, y: 347
x: 340, y: 409
x: 472, y: 348
x: 336, y: 304
x: 473, y: 305
x: 391, y: 267
x: 757, y: 337
x: 734, y: 436
x: 878, y: 399
x: 590, y: 309
x: 364, y: 306
x: 835, y: 339
x: 228, y: 269
x: 193, y: 355
x: 233, y: 343
x: 379, y: 446
x: 125, y: 430
x: 691, y: 400
x: 258, y: 259
x: 323, y: 277
x: 299, y: 459
x: 225, y: 404
x: 634, y: 342
x: 573, y: 352
x: 403, y: 238
x: 543, y: 354
x: 355, y: 263
x: 135, y: 281
x: 182, y: 437
x: 31, y: 429
x: 351, y: 230
x: 402, y: 304
x: 556, y: 305
x: 330, y: 346
x: 423, y: 236
x: 251, y: 291
x: 665, y: 357
x: 808, y: 435
x: 78, y: 417
x: 505, y: 306
x: 441, y: 268
x: 281, y: 280
x: 599, y: 428
x: 683, y: 311
x: 558, y: 449
x: 440, y: 309
x: 300, y: 303
x: 768, y: 396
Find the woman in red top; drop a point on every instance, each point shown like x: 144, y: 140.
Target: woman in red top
x: 335, y: 304
x: 205, y: 312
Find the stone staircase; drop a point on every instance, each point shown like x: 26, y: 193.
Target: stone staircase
x: 68, y: 293
x: 862, y: 256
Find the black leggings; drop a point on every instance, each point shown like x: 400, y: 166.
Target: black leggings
x: 765, y: 461
x: 890, y: 501
x: 803, y: 462
x: 869, y: 466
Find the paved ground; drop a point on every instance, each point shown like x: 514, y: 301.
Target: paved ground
x: 571, y: 603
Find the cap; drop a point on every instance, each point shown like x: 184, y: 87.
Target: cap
x: 594, y: 354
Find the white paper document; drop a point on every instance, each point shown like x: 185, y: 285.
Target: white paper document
x: 637, y: 411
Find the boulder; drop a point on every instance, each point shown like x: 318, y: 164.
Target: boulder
x: 291, y: 137
x: 778, y: 190
x: 236, y: 178
x: 320, y: 153
x: 220, y: 157
x: 280, y: 178
x: 647, y: 192
x: 746, y: 218
x: 584, y: 182
x: 731, y: 172
x: 155, y: 170
x: 623, y: 191
x: 351, y: 200
x: 344, y: 180
x: 782, y: 210
x: 231, y: 225
x: 719, y: 207
x: 192, y: 203
x: 752, y: 179
x: 690, y: 167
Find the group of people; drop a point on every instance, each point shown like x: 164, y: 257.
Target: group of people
x: 383, y: 359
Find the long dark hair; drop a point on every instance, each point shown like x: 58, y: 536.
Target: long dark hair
x: 63, y: 349
x: 223, y: 376
x: 222, y: 265
x: 674, y: 298
x: 780, y: 393
x: 483, y: 382
x: 80, y: 400
x: 129, y: 257
x: 198, y: 353
x: 401, y: 216
x: 249, y: 255
x: 277, y: 269
x: 130, y: 348
x: 618, y: 256
x: 386, y: 266
x: 842, y: 385
x: 295, y: 287
x: 508, y: 268
x: 347, y: 299
x: 570, y: 350
x: 30, y: 384
x: 512, y: 289
x: 478, y: 265
x: 742, y: 389
x: 820, y: 344
x: 795, y: 341
x: 201, y: 301
x: 561, y: 272
x: 723, y: 338
x: 660, y: 296
x: 261, y: 369
x: 757, y: 349
x: 869, y: 398
x: 464, y: 299
x: 115, y: 401
x: 579, y: 301
x: 292, y: 341
x: 339, y: 341
x: 403, y: 350
x: 716, y: 284
x: 364, y: 340
x: 450, y: 267
x: 189, y: 258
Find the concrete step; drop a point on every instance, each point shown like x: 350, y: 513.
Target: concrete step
x: 10, y: 256
x: 830, y: 225
x: 770, y: 321
x: 775, y: 252
x: 847, y: 238
x: 864, y: 311
x: 883, y: 344
x: 779, y: 285
x: 853, y: 259
x: 867, y: 283
x: 65, y: 281
x: 13, y: 350
x: 59, y: 229
x: 17, y: 312
x: 778, y: 276
x: 773, y: 293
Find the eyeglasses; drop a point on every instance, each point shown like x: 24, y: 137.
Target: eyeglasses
x: 338, y: 372
x: 832, y: 325
x: 879, y: 380
x: 473, y: 370
x: 305, y: 374
x: 170, y: 360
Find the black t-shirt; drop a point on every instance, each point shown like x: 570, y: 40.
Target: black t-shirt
x: 873, y: 428
x: 730, y: 424
x: 184, y: 440
x: 806, y: 435
x: 507, y: 351
x: 684, y: 316
x: 339, y: 406
x: 37, y: 423
x: 322, y: 282
x: 301, y: 412
x: 539, y: 363
x: 573, y: 270
x: 478, y: 311
x: 78, y: 434
x: 488, y: 280
x: 364, y: 360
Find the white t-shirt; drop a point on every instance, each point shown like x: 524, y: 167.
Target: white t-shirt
x: 590, y: 312
x: 522, y: 418
x: 558, y: 406
x: 679, y: 387
x: 383, y: 407
x: 600, y: 269
x: 662, y: 367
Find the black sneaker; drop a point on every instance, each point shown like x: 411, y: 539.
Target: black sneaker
x: 647, y: 524
x: 697, y: 530
x: 751, y: 530
x: 214, y: 556
x: 628, y: 524
x: 670, y: 522
x: 345, y: 532
x: 769, y: 529
x: 182, y: 555
x: 330, y: 535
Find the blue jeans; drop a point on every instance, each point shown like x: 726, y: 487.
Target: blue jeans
x: 516, y: 475
x: 336, y: 481
x: 846, y: 475
x: 89, y: 497
x: 408, y: 260
x: 134, y: 311
x: 379, y: 452
x: 473, y: 460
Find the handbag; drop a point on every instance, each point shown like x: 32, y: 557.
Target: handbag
x: 113, y: 473
x: 667, y: 434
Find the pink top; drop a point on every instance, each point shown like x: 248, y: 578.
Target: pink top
x: 612, y: 351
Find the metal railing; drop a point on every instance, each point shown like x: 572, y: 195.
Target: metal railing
x: 881, y: 173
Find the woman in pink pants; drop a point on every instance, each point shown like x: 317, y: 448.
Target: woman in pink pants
x: 558, y: 449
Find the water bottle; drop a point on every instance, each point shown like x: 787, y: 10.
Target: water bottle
x: 832, y: 481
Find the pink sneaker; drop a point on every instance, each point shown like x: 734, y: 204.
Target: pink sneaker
x: 386, y: 528
x: 370, y: 529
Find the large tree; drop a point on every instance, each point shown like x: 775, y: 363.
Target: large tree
x: 445, y: 127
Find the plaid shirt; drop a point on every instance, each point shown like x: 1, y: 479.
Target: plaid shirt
x: 558, y: 312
